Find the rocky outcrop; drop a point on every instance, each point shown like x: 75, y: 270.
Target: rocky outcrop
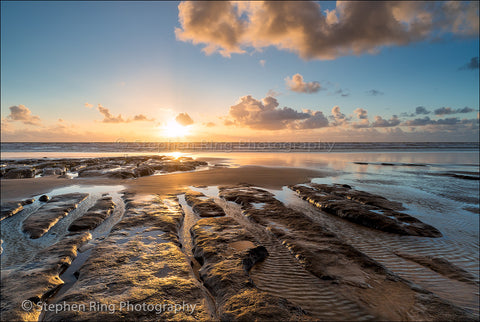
x: 365, y: 209
x: 225, y: 269
x: 111, y: 167
x: 10, y: 208
x: 37, y: 280
x: 39, y: 222
x: 53, y: 171
x: 141, y: 263
x: 20, y: 173
x: 202, y: 205
x: 143, y: 171
x: 354, y: 275
x: 94, y: 216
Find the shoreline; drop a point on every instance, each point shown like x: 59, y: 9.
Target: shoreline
x: 266, y: 177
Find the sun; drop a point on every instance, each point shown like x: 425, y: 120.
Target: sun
x: 175, y: 130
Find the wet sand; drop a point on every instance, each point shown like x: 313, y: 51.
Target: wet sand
x: 299, y: 263
x: 267, y: 177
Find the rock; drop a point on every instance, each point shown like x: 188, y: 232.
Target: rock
x: 53, y: 171
x: 37, y: 280
x: 202, y: 205
x: 365, y: 209
x: 89, y: 173
x: 121, y: 174
x: 39, y: 222
x: 172, y: 167
x: 9, y: 209
x: 44, y: 198
x: 20, y: 173
x: 254, y: 255
x: 140, y: 261
x: 78, y: 168
x: 143, y: 171
x: 375, y: 290
x: 244, y: 194
x: 94, y: 216
x: 27, y: 201
x: 208, y: 209
x: 224, y: 272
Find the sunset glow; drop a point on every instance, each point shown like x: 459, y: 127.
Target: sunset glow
x: 325, y: 74
x: 175, y: 130
x: 239, y: 160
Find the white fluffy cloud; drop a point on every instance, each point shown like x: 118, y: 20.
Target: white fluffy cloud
x: 353, y: 27
x: 266, y: 115
x: 297, y: 84
x: 23, y: 114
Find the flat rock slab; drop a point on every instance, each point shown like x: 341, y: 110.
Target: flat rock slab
x: 40, y: 222
x: 20, y: 173
x: 10, y: 208
x: 358, y: 278
x: 94, y: 216
x: 140, y: 263
x: 225, y: 268
x: 37, y: 280
x: 365, y: 209
x: 202, y: 205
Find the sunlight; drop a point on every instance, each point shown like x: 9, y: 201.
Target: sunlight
x: 174, y: 155
x: 175, y: 130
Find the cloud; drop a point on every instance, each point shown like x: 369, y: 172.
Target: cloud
x: 184, y: 119
x: 380, y: 122
x: 209, y: 124
x: 449, y: 110
x: 23, y: 114
x: 315, y: 121
x: 363, y: 122
x: 338, y: 117
x: 109, y: 118
x: 88, y: 105
x: 374, y: 92
x: 214, y: 23
x: 262, y: 62
x: 273, y: 93
x: 342, y: 93
x: 266, y: 115
x: 427, y: 121
x: 141, y: 117
x: 297, y: 84
x: 361, y: 113
x: 472, y: 65
x: 421, y: 110
x: 352, y: 28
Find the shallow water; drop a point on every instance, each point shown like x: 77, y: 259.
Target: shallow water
x: 441, y: 201
x: 18, y: 248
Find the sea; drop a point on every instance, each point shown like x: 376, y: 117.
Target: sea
x: 437, y: 183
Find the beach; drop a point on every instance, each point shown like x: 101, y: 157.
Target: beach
x: 253, y: 235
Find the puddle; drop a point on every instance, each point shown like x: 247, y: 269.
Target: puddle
x: 258, y: 205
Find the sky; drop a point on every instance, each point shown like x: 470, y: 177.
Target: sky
x: 226, y: 71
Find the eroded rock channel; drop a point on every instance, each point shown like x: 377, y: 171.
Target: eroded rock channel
x: 236, y: 253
